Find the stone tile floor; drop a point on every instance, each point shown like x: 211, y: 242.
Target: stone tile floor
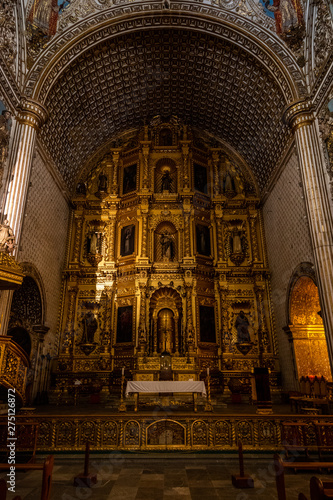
x: 161, y: 478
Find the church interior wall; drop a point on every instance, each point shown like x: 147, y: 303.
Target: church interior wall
x: 288, y: 244
x: 44, y: 236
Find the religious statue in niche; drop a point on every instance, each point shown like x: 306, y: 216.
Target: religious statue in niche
x: 236, y: 242
x: 166, y: 181
x: 7, y: 239
x: 203, y: 240
x: 165, y: 137
x: 127, y: 240
x: 89, y: 325
x: 94, y: 244
x: 166, y: 246
x: 81, y: 188
x: 124, y: 324
x: 200, y: 178
x: 102, y: 186
x: 129, y: 179
x: 242, y: 326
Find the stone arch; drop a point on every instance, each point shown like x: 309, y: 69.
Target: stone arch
x: 305, y: 269
x: 243, y: 32
x: 66, y: 58
x: 26, y: 326
x: 305, y: 326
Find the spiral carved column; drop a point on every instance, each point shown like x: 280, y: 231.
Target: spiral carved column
x: 77, y: 241
x: 301, y: 119
x: 111, y: 239
x: 115, y: 161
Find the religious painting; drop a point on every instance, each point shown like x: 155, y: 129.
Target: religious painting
x: 129, y: 179
x: 207, y: 323
x: 124, y: 324
x: 44, y: 14
x: 203, y: 239
x: 200, y: 178
x: 287, y: 14
x: 127, y: 240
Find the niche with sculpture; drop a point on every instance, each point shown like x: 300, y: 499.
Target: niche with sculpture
x: 236, y: 244
x: 165, y: 176
x: 94, y: 242
x: 231, y: 181
x: 89, y: 323
x: 166, y: 243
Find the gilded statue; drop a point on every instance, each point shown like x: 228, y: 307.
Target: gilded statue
x: 166, y: 181
x: 242, y: 325
x: 166, y: 244
x: 89, y: 323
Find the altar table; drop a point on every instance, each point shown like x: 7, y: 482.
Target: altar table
x: 166, y: 386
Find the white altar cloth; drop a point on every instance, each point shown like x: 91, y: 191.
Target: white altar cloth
x: 165, y: 386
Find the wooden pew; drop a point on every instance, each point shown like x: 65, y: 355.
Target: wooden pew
x: 320, y: 490
x: 279, y: 479
x: 46, y: 467
x: 3, y: 489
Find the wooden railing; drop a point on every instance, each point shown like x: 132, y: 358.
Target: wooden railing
x: 182, y: 431
x: 14, y: 365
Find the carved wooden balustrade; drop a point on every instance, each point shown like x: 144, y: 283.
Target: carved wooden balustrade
x: 182, y: 431
x: 14, y: 365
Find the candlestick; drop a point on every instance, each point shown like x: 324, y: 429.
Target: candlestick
x: 208, y: 372
x: 123, y: 371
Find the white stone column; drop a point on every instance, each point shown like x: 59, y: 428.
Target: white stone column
x: 302, y: 120
x: 31, y: 115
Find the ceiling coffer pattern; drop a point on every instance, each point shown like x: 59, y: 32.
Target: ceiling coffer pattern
x: 209, y: 83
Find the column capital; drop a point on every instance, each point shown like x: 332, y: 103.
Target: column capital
x: 32, y: 113
x: 298, y: 113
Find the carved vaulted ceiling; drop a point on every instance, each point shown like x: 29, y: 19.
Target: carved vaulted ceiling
x: 207, y: 82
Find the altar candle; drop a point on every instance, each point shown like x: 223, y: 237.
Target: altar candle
x: 123, y: 371
x: 208, y: 371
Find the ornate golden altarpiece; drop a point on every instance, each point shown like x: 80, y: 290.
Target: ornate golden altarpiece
x: 166, y: 252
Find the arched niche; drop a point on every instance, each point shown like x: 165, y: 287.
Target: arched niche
x: 27, y: 329
x: 166, y: 243
x: 306, y: 330
x: 165, y: 176
x: 166, y: 313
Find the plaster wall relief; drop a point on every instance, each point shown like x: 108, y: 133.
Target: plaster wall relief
x: 158, y: 292
x: 8, y: 41
x: 323, y: 36
x: 325, y: 119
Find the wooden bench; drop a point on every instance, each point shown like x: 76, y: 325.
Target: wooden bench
x: 320, y: 490
x: 46, y: 467
x: 3, y: 489
x: 279, y: 479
